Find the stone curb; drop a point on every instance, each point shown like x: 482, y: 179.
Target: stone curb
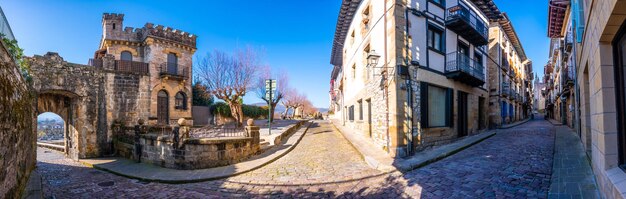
x: 204, y: 179
x: 397, y: 167
x: 554, y: 122
x: 515, y: 124
x: 34, y: 188
x: 441, y: 156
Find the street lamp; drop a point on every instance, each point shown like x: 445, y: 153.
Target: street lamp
x: 372, y: 58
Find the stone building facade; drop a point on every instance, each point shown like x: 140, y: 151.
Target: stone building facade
x: 164, y: 54
x: 140, y: 73
x: 427, y: 86
x: 510, y: 75
x: 539, y: 99
x: 599, y: 34
x: 559, y: 76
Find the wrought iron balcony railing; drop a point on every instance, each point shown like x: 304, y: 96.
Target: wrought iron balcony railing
x: 505, y: 64
x: 505, y: 89
x: 466, y: 23
x: 460, y: 67
x: 173, y: 70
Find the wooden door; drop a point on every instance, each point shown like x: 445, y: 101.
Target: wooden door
x: 163, y: 108
x: 462, y: 114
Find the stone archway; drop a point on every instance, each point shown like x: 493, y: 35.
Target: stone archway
x: 60, y: 103
x: 74, y: 92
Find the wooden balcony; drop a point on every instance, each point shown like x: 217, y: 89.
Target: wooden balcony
x: 123, y: 65
x: 461, y: 68
x: 466, y: 23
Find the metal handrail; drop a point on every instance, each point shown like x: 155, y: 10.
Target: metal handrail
x: 175, y: 69
x: 219, y: 132
x: 464, y: 14
x: 506, y: 88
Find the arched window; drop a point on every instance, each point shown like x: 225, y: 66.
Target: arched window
x: 181, y: 101
x: 126, y: 56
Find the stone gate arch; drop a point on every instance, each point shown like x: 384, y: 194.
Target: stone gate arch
x: 60, y: 103
x: 74, y: 92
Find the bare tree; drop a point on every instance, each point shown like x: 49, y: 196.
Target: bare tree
x: 290, y: 96
x: 308, y: 109
x: 229, y: 77
x: 282, y: 81
x: 297, y: 101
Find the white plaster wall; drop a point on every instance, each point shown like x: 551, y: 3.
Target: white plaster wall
x: 354, y: 51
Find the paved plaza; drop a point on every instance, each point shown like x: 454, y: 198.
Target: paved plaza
x: 515, y: 163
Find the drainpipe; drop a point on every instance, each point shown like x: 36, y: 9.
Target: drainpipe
x: 386, y: 92
x: 500, y: 79
x: 409, y: 85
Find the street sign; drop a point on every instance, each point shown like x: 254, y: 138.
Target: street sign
x: 270, y: 84
x: 269, y: 95
x: 270, y: 89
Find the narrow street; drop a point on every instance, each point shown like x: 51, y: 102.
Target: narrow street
x: 516, y: 163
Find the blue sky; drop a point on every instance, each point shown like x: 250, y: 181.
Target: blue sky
x: 530, y: 20
x: 296, y: 36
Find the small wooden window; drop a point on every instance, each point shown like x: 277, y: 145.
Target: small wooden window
x: 435, y: 38
x: 436, y: 106
x: 181, y: 101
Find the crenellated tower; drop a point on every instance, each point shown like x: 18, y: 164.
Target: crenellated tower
x: 160, y: 54
x: 111, y: 24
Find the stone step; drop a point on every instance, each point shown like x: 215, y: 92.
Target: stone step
x: 264, y: 146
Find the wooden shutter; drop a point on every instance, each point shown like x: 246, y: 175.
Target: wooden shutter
x: 449, y: 107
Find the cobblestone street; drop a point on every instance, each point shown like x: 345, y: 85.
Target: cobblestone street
x: 515, y: 163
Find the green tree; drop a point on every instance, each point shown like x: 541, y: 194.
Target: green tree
x: 200, y: 95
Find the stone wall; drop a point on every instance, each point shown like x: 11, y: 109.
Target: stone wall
x: 290, y: 130
x: 596, y: 78
x: 89, y: 99
x: 127, y: 95
x: 74, y: 92
x: 17, y: 129
x: 196, y: 153
x: 428, y: 137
